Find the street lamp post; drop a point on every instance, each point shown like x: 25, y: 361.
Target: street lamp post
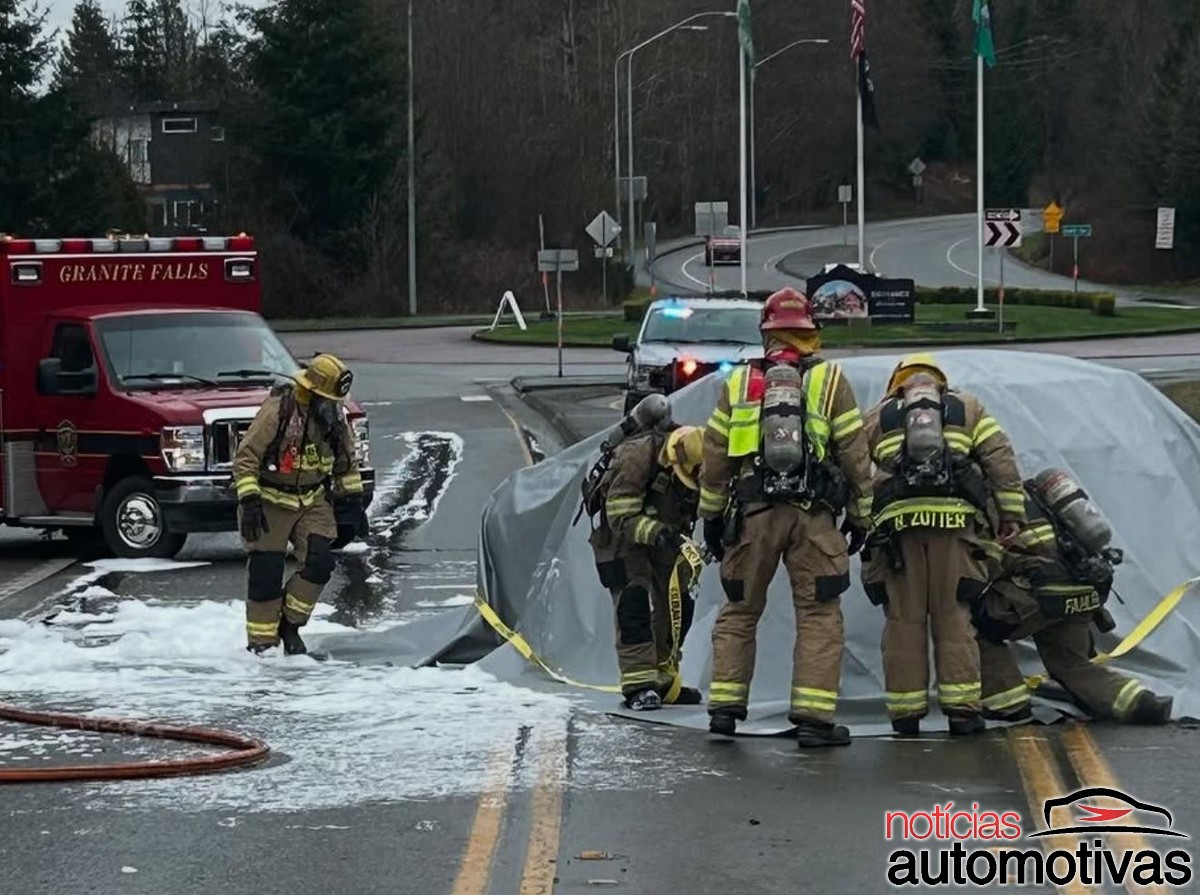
x: 753, y: 76
x: 412, y: 178
x: 680, y: 25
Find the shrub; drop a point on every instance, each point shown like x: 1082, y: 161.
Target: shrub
x: 1101, y: 303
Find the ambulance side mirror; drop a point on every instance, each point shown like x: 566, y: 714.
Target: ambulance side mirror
x: 52, y: 380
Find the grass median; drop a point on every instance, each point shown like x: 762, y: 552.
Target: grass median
x: 1033, y: 323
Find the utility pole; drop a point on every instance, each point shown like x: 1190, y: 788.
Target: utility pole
x: 412, y: 177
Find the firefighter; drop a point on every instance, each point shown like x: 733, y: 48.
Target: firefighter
x: 942, y: 462
x: 785, y: 454
x: 649, y: 511
x: 295, y: 460
x: 1052, y: 583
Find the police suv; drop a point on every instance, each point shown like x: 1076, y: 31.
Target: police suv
x: 684, y: 339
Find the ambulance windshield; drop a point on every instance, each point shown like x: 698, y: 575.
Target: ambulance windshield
x: 145, y: 351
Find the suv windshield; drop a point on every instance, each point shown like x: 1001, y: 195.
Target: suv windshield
x: 691, y: 323
x: 147, y: 350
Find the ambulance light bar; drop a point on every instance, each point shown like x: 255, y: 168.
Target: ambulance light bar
x: 239, y: 243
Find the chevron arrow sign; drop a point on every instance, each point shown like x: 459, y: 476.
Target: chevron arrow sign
x: 1006, y: 234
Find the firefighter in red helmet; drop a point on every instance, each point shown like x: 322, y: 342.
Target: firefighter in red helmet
x: 785, y: 456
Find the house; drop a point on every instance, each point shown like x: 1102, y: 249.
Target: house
x: 172, y: 150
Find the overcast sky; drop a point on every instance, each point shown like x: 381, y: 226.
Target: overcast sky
x: 60, y: 10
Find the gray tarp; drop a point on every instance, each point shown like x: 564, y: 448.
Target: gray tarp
x: 1130, y: 447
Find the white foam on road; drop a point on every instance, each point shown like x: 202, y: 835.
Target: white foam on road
x: 352, y: 734
x: 423, y: 503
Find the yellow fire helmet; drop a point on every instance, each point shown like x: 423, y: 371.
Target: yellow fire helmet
x: 326, y: 376
x: 913, y: 364
x: 682, y: 452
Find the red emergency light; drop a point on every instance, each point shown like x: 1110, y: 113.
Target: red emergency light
x: 689, y: 367
x: 189, y: 244
x: 76, y: 246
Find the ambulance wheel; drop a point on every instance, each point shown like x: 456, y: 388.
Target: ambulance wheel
x: 133, y: 524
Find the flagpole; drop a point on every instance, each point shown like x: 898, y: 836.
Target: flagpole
x: 742, y: 132
x: 979, y: 174
x: 862, y: 199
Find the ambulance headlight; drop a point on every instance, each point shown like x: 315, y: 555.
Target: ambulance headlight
x: 362, y: 440
x: 183, y: 448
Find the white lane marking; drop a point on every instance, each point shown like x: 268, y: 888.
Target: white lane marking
x: 874, y: 251
x: 973, y: 274
x: 476, y: 398
x: 684, y: 270
x: 34, y: 576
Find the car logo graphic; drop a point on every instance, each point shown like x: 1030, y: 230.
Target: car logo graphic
x: 1095, y: 819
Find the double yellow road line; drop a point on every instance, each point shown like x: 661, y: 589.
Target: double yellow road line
x: 541, y: 850
x: 1040, y: 775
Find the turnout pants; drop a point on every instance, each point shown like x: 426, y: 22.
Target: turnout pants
x: 814, y: 553
x: 944, y: 570
x: 311, y: 531
x: 1064, y: 646
x: 650, y: 626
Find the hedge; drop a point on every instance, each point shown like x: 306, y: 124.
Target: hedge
x: 1103, y: 304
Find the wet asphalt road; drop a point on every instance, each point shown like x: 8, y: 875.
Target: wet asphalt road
x: 649, y: 808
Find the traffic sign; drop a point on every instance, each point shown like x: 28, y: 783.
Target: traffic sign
x: 1002, y: 214
x: 603, y: 229
x: 639, y: 188
x: 1076, y: 231
x: 1003, y: 233
x: 916, y: 167
x: 602, y: 251
x: 845, y: 193
x: 1052, y: 216
x: 558, y: 260
x: 1164, y: 236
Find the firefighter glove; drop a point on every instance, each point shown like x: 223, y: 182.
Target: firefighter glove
x: 856, y: 537
x: 351, y: 515
x: 669, y: 539
x: 714, y: 533
x: 254, y: 521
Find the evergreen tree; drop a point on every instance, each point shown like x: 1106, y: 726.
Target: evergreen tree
x: 142, y: 53
x: 326, y: 122
x: 89, y: 66
x: 24, y: 52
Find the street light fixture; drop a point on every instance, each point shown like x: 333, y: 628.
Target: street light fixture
x: 683, y: 25
x: 753, y: 76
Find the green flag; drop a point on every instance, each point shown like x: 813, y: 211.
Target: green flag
x: 984, y: 46
x: 745, y: 35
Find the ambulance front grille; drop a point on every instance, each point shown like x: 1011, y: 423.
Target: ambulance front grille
x: 223, y: 439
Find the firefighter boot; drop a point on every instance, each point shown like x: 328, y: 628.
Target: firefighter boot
x: 688, y: 696
x: 722, y: 722
x: 814, y: 734
x: 966, y: 725
x: 289, y: 633
x: 258, y: 648
x: 1151, y: 709
x: 907, y: 726
x: 644, y: 701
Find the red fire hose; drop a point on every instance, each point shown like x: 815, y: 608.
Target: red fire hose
x: 244, y: 750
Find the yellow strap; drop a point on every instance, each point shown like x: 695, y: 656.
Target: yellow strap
x: 1140, y: 632
x: 522, y: 646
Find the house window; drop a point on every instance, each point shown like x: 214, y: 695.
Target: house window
x: 185, y: 210
x: 179, y: 125
x: 217, y: 134
x: 157, y: 213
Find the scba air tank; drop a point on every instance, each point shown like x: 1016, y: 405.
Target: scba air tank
x: 1082, y: 519
x: 923, y: 437
x: 783, y: 419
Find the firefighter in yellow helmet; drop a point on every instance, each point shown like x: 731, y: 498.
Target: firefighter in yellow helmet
x: 295, y: 459
x: 647, y: 498
x: 943, y: 467
x: 784, y: 456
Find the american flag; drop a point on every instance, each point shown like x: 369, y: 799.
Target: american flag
x: 858, y: 27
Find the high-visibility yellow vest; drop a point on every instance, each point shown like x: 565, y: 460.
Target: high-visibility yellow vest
x: 745, y: 416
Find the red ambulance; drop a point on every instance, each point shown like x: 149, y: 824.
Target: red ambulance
x: 129, y: 368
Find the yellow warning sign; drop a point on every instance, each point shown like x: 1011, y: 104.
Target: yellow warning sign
x: 1052, y: 216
